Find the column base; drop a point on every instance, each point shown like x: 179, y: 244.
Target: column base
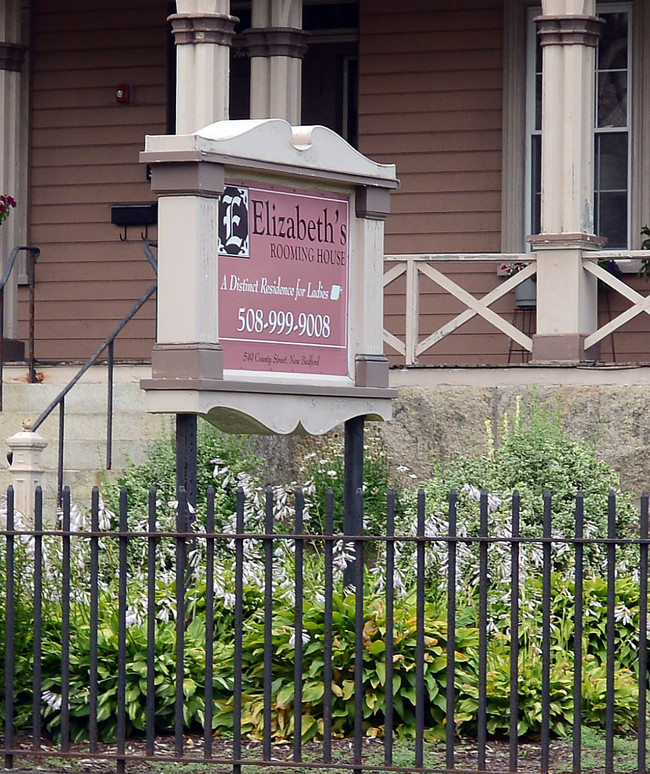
x: 371, y: 371
x: 563, y: 348
x: 187, y: 361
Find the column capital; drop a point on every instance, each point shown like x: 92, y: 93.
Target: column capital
x: 12, y: 56
x: 215, y: 28
x: 276, y: 41
x: 569, y: 30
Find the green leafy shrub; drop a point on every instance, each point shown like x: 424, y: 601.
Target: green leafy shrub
x: 136, y: 676
x: 535, y: 455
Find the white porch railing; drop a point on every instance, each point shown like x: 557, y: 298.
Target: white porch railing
x: 639, y: 303
x: 416, y: 266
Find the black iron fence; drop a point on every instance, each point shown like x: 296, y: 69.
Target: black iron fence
x: 233, y: 642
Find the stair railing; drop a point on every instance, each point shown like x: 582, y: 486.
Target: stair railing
x: 32, y: 256
x: 107, y: 344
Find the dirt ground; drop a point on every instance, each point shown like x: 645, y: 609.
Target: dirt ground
x: 465, y: 758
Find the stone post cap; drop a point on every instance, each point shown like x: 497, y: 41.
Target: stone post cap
x: 26, y: 439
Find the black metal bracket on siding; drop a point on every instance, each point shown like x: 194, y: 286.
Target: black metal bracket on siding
x: 134, y: 215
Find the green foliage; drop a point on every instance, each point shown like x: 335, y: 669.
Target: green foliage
x: 136, y: 673
x: 216, y: 451
x: 534, y: 455
x: 324, y: 469
x: 23, y: 625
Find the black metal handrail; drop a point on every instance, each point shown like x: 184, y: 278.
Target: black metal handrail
x: 32, y: 256
x: 109, y: 344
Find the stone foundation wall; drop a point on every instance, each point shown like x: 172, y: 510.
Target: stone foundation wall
x: 433, y: 423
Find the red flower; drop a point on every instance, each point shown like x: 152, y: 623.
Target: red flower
x: 6, y: 203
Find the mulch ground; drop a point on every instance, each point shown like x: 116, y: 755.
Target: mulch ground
x: 466, y: 760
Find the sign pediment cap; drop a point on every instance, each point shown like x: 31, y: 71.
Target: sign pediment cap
x: 275, y: 141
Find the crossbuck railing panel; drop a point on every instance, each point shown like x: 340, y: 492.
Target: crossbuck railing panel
x: 132, y: 637
x: 639, y: 303
x: 415, y: 266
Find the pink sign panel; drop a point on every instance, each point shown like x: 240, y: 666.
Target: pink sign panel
x: 283, y: 280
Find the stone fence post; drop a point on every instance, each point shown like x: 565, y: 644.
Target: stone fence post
x: 26, y: 468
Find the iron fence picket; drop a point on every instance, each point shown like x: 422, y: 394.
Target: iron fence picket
x: 513, y: 751
x: 545, y: 735
x: 65, y: 620
x: 238, y: 634
x: 268, y: 622
x: 209, y: 622
x: 450, y: 688
x: 298, y: 627
x: 577, y: 634
x: 358, y: 565
x: 643, y: 637
x: 419, y: 632
x: 121, y: 631
x: 610, y: 634
x: 93, y: 655
x: 482, y: 634
x: 181, y: 575
x: 152, y: 548
x: 390, y: 628
x: 328, y: 561
x: 37, y: 601
x: 10, y: 612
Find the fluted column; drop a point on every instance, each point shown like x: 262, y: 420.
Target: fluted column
x: 566, y: 295
x: 276, y: 45
x: 203, y: 31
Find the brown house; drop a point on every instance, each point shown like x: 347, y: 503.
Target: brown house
x: 504, y: 118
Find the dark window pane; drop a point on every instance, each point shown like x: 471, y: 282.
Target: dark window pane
x: 612, y: 99
x: 611, y: 161
x: 536, y: 183
x: 612, y: 48
x: 330, y: 16
x: 611, y: 218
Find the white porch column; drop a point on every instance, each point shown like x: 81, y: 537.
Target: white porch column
x: 276, y: 45
x: 566, y: 295
x: 13, y: 146
x: 203, y: 31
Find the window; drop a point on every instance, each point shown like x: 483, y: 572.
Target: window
x: 612, y: 144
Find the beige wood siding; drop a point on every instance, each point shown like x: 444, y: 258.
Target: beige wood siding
x: 430, y: 101
x: 84, y: 157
